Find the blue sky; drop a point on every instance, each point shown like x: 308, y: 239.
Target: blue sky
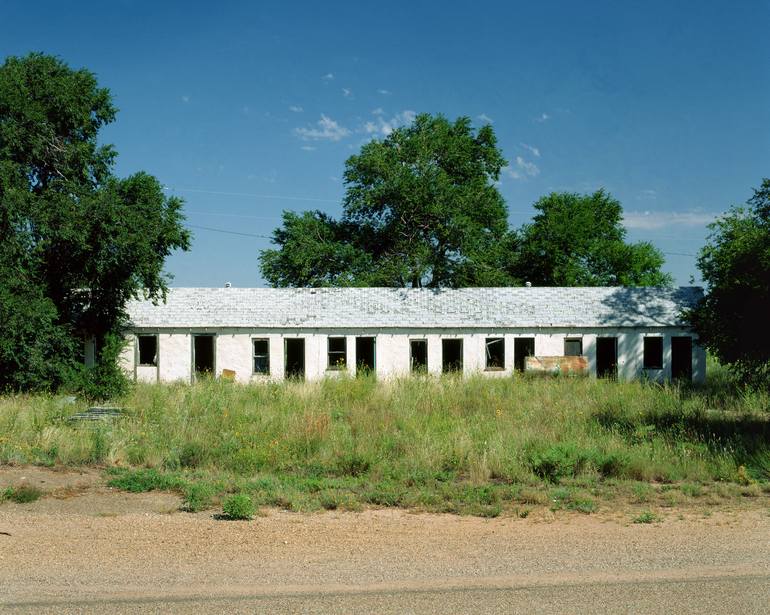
x: 246, y: 109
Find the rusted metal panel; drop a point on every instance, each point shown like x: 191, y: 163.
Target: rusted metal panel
x: 575, y: 366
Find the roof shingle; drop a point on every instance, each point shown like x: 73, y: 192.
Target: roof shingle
x: 287, y: 308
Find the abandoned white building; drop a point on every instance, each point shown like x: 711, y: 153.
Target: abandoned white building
x: 256, y: 334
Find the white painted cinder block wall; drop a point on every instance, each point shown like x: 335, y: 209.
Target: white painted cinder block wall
x: 233, y: 351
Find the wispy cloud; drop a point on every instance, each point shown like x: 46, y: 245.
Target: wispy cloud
x: 531, y: 149
x: 325, y: 129
x: 378, y: 111
x: 543, y: 117
x: 328, y: 77
x: 295, y: 109
x: 652, y: 220
x: 347, y: 93
x: 647, y: 195
x: 309, y: 148
x: 384, y: 92
x: 382, y: 127
x: 485, y: 118
x: 522, y: 169
x: 185, y: 99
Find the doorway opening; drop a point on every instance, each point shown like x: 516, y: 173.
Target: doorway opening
x: 451, y: 355
x: 365, y: 355
x: 681, y: 358
x: 203, y: 354
x: 607, y: 357
x: 523, y: 347
x: 419, y: 355
x: 294, y: 351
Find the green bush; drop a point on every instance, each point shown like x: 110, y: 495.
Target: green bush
x: 646, y: 517
x: 197, y: 497
x: 238, y: 506
x: 138, y: 481
x: 562, y: 460
x: 21, y: 494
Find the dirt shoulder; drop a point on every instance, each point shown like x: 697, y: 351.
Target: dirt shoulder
x: 93, y: 543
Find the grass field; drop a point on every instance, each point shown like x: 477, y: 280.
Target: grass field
x: 471, y: 446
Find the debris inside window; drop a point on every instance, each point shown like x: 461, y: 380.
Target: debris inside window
x: 495, y: 353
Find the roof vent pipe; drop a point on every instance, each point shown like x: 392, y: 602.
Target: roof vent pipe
x: 227, y: 285
x: 528, y: 284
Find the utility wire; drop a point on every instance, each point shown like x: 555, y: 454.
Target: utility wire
x: 253, y: 196
x: 221, y: 230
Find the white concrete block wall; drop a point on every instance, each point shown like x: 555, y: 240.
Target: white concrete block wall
x: 234, y: 351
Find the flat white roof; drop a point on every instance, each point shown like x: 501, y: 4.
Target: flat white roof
x: 515, y: 307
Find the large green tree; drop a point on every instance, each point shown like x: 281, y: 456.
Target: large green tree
x: 421, y: 209
x: 579, y: 240
x: 76, y: 241
x: 732, y: 320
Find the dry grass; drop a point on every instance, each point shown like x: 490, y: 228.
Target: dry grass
x: 459, y: 445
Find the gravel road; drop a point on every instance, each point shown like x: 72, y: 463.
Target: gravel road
x: 90, y: 557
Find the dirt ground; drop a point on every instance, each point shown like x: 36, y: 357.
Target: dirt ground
x: 84, y: 546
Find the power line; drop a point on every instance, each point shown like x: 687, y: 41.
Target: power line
x: 221, y: 230
x: 279, y: 197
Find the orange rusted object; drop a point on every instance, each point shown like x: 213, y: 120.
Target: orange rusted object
x: 574, y: 366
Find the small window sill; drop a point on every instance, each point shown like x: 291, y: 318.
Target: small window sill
x: 341, y: 368
x: 260, y: 374
x: 494, y: 369
x: 147, y: 365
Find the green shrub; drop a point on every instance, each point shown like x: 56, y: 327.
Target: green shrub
x: 21, y: 494
x: 193, y: 455
x: 647, y: 517
x: 150, y: 479
x: 238, y: 506
x: 197, y: 497
x: 559, y: 461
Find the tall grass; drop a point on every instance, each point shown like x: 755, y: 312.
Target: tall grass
x: 444, y: 444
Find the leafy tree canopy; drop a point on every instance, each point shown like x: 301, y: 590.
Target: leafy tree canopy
x: 77, y: 242
x: 421, y: 208
x: 579, y: 240
x: 735, y: 264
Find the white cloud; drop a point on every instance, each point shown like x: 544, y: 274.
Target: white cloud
x: 531, y: 149
x: 522, y: 170
x: 485, y: 118
x: 647, y: 195
x: 347, y: 93
x: 543, y: 117
x: 384, y: 92
x: 326, y: 129
x: 295, y: 109
x: 652, y: 220
x: 334, y: 179
x: 328, y: 77
x: 309, y: 148
x: 185, y: 99
x: 382, y: 127
x: 378, y: 111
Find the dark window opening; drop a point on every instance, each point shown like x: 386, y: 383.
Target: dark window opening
x: 365, y: 355
x: 338, y: 354
x: 261, y: 356
x: 573, y: 347
x: 495, y: 352
x: 653, y: 353
x: 681, y: 358
x: 523, y: 347
x: 203, y: 351
x: 148, y: 350
x: 606, y: 357
x: 452, y: 355
x: 419, y: 355
x: 294, y: 351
